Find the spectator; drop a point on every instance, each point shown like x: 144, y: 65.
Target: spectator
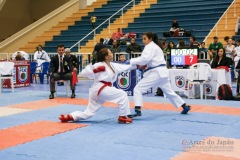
x: 167, y: 52
x: 21, y: 55
x: 175, y: 27
x: 60, y: 69
x: 133, y: 47
x: 237, y: 59
x: 163, y: 45
x: 97, y: 48
x: 117, y: 35
x: 231, y: 53
x: 181, y: 44
x: 74, y: 60
x: 93, y: 21
x: 237, y: 26
x: 226, y: 38
x: 220, y: 59
x: 234, y: 42
x: 115, y: 48
x: 213, y: 47
x: 121, y: 58
x: 237, y: 49
x: 238, y: 80
x: 40, y: 56
x: 230, y: 49
x: 193, y: 43
x: 203, y: 51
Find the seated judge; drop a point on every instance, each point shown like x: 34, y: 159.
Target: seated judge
x: 221, y: 59
x: 60, y: 69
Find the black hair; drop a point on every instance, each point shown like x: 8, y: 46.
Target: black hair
x: 193, y: 37
x: 226, y: 38
x: 152, y: 36
x: 101, y: 40
x: 102, y: 54
x: 168, y: 46
x: 120, y: 55
x: 224, y: 53
x: 60, y: 46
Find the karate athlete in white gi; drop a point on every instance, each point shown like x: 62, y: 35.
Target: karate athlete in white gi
x: 104, y: 74
x: 40, y: 56
x: 155, y: 74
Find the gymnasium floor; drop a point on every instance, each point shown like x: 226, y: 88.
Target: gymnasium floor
x: 30, y: 129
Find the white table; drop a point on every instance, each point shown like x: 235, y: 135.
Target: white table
x: 178, y: 79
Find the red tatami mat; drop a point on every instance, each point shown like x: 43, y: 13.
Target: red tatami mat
x: 33, y: 131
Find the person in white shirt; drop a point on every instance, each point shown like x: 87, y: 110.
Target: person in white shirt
x: 23, y: 54
x: 237, y: 58
x: 104, y: 74
x: 155, y: 73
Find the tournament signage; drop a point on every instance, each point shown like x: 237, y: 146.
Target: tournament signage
x: 183, y: 57
x: 127, y: 81
x: 123, y: 80
x: 21, y: 77
x: 180, y: 81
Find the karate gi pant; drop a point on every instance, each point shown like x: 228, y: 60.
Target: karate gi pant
x: 108, y: 94
x: 152, y: 80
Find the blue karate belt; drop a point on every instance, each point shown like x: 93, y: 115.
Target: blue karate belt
x: 161, y: 65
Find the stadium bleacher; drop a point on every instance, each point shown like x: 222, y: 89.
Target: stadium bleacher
x: 81, y: 28
x: 192, y: 15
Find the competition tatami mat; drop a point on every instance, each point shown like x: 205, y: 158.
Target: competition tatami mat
x: 30, y: 129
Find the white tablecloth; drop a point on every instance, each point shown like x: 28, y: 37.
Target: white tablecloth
x: 178, y: 79
x: 6, y: 68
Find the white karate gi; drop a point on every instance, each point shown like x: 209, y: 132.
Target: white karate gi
x: 110, y: 94
x: 152, y: 56
x: 40, y: 57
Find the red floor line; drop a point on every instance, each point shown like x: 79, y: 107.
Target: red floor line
x: 147, y: 105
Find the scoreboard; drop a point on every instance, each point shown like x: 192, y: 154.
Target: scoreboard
x: 183, y: 57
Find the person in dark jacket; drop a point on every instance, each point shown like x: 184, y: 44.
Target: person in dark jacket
x: 74, y: 59
x: 60, y: 69
x: 221, y: 59
x: 97, y: 48
x: 115, y: 49
x: 133, y: 47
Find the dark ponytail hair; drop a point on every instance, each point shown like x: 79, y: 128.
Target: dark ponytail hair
x: 102, y: 54
x: 152, y: 36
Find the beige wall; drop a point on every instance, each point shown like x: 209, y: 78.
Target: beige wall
x: 17, y: 14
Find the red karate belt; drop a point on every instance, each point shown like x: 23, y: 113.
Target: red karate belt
x: 105, y: 85
x: 74, y: 78
x: 223, y: 67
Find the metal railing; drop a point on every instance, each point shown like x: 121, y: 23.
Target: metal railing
x: 107, y: 20
x: 7, y: 57
x: 226, y: 19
